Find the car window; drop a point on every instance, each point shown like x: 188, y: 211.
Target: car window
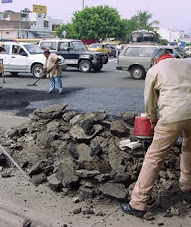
x: 48, y: 45
x: 95, y: 45
x: 33, y: 49
x: 132, y: 52
x: 181, y: 52
x: 146, y: 51
x: 78, y: 45
x: 17, y: 49
x: 7, y: 49
x: 139, y: 51
x: 63, y: 46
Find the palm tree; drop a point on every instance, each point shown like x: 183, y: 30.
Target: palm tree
x: 143, y: 20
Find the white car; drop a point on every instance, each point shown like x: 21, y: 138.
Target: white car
x: 23, y: 57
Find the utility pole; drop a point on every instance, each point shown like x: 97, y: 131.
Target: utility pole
x: 83, y: 4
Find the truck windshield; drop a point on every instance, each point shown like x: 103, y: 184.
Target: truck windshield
x: 33, y: 49
x: 79, y: 45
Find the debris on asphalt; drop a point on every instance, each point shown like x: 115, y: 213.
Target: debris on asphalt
x: 76, y: 200
x: 77, y: 211
x: 148, y: 216
x: 27, y: 223
x: 6, y: 174
x: 79, y: 154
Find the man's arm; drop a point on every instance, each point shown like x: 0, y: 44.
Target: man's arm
x: 151, y: 95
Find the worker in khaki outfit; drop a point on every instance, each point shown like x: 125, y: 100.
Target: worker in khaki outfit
x: 55, y: 74
x: 168, y: 87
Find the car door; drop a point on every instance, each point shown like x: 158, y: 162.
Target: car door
x: 68, y: 53
x: 5, y: 55
x: 18, y: 62
x: 129, y: 57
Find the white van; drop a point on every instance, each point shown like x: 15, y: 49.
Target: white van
x: 23, y: 57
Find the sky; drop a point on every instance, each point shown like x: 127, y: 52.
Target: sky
x: 172, y: 14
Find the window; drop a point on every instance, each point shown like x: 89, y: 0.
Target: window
x: 16, y: 49
x: 33, y: 23
x: 78, y: 46
x: 5, y: 16
x: 63, y: 46
x: 39, y: 15
x: 146, y: 51
x: 48, y: 45
x: 132, y: 52
x: 7, y: 49
x: 23, y: 15
x: 46, y: 24
x: 139, y: 51
x: 7, y: 33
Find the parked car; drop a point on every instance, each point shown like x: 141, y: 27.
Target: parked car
x: 113, y: 50
x: 24, y: 58
x: 76, y: 54
x: 100, y: 48
x: 136, y: 59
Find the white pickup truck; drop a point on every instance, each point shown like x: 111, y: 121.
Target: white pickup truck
x: 23, y: 57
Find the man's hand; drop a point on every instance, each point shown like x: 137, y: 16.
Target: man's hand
x: 43, y: 73
x: 153, y: 123
x: 56, y: 65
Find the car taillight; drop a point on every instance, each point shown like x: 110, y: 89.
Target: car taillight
x: 118, y: 61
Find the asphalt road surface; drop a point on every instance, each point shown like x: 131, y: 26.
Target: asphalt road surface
x: 110, y: 90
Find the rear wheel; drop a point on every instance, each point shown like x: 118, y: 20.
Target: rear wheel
x: 14, y: 73
x: 85, y: 66
x: 137, y: 73
x: 37, y: 70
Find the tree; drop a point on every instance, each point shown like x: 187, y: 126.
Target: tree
x: 70, y: 32
x: 143, y: 20
x: 161, y: 41
x: 98, y: 22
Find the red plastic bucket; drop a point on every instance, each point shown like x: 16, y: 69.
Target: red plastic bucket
x: 142, y: 127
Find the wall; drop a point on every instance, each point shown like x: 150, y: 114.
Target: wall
x: 169, y: 34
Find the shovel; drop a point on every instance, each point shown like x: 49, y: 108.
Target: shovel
x: 35, y: 83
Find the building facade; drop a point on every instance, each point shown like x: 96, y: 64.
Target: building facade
x: 174, y: 36
x: 27, y: 25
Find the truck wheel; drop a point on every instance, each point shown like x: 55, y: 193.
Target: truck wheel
x: 137, y: 73
x: 37, y: 70
x: 14, y: 73
x: 97, y: 68
x: 85, y: 66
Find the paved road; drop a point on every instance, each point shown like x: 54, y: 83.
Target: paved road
x: 111, y: 90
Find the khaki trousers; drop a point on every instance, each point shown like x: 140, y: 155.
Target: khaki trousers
x: 165, y: 137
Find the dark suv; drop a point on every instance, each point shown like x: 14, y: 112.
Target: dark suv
x: 76, y: 54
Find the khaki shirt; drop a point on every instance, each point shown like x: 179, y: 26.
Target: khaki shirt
x: 168, y: 87
x: 49, y: 64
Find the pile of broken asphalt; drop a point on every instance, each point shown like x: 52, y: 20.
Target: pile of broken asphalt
x: 79, y: 154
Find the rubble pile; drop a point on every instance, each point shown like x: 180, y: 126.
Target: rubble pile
x: 79, y: 153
